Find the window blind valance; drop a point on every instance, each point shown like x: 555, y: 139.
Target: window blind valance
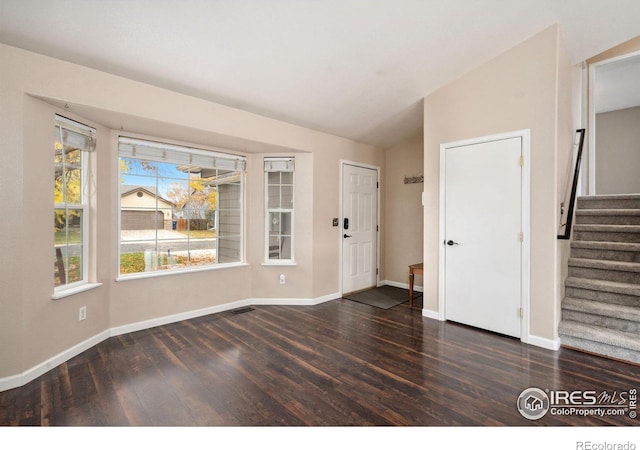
x: 73, y: 134
x: 175, y: 154
x: 279, y: 164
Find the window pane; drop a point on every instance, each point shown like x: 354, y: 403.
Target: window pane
x: 279, y: 235
x: 285, y: 244
x: 229, y: 221
x: 274, y: 247
x: 74, y: 263
x: 274, y: 223
x: 58, y: 151
x: 67, y: 265
x: 178, y: 195
x: 138, y: 256
x: 73, y: 191
x: 280, y: 223
x: 274, y: 197
x: 287, y: 177
x: 59, y: 271
x: 67, y: 226
x: 274, y: 177
x: 58, y: 184
x: 285, y: 223
x: 72, y: 157
x: 74, y: 223
x: 287, y: 197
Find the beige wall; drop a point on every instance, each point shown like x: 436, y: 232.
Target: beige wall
x: 403, y: 222
x: 517, y: 90
x: 569, y: 119
x: 327, y: 238
x: 618, y: 152
x: 34, y: 328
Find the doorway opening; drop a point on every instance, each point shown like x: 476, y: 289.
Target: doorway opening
x: 359, y: 229
x: 484, y: 233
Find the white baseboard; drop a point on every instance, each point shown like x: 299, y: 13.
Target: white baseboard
x: 146, y: 324
x: 399, y: 285
x: 14, y: 381
x: 549, y: 344
x: 294, y: 301
x: 431, y: 314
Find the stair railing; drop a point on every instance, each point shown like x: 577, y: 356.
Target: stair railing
x: 574, y: 187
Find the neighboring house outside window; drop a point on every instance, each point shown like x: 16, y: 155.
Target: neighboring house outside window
x: 180, y: 207
x: 279, y: 174
x: 73, y: 144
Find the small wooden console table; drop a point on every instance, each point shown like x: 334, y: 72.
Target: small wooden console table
x: 413, y: 270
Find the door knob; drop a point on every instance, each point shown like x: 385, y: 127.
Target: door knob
x: 452, y: 243
x: 346, y: 235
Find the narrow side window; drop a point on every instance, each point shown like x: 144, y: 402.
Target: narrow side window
x: 279, y: 211
x: 72, y: 147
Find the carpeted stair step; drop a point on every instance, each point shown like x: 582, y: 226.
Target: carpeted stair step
x: 609, y: 251
x: 613, y: 343
x: 605, y: 315
x: 631, y: 201
x: 601, y: 308
x: 608, y: 233
x: 608, y: 216
x: 600, y: 348
x: 603, y: 291
x: 596, y: 269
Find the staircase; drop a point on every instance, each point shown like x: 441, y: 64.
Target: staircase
x: 601, y: 308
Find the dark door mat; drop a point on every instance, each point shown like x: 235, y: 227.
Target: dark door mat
x: 384, y: 297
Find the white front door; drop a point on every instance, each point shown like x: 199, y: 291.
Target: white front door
x: 359, y: 228
x: 482, y: 235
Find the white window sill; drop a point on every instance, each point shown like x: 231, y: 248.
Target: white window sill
x: 62, y: 293
x: 164, y: 273
x: 279, y: 263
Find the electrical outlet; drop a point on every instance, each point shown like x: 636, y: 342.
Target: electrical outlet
x: 282, y: 279
x: 82, y: 313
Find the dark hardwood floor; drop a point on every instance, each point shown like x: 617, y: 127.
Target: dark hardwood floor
x: 338, y: 363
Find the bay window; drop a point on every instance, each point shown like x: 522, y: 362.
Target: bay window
x: 180, y: 207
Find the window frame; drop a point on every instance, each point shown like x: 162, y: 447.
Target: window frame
x: 196, y: 151
x: 277, y: 164
x: 61, y: 122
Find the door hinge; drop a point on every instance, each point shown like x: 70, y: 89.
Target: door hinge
x: 377, y: 228
x: 521, y: 312
x: 521, y: 236
x: 521, y: 161
x: 376, y: 271
x: 377, y: 184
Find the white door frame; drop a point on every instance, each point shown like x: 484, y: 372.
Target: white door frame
x: 591, y: 129
x: 525, y: 136
x: 341, y: 220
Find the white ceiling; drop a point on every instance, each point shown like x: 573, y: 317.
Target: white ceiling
x: 353, y: 68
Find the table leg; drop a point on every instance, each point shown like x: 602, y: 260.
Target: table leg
x: 410, y: 288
